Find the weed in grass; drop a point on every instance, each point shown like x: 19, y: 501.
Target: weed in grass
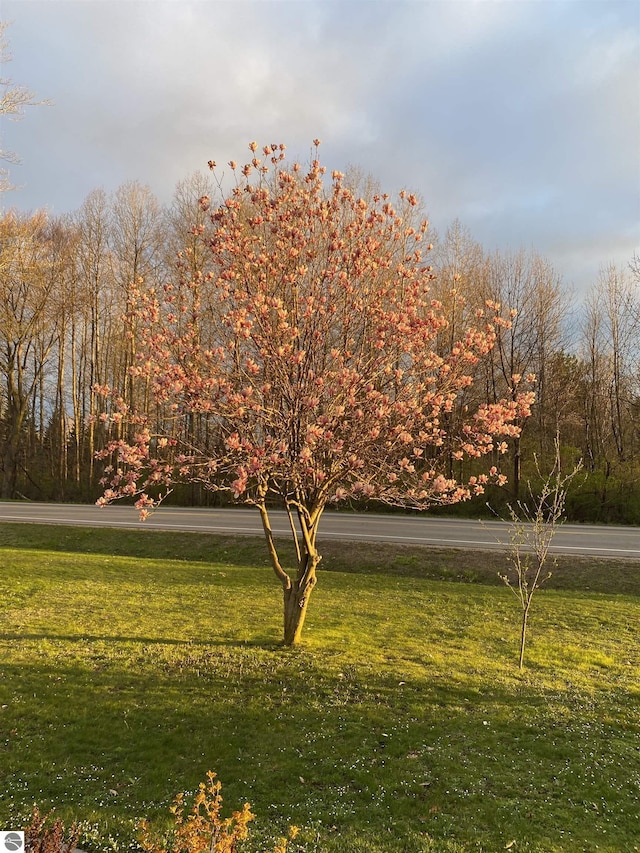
x: 204, y: 830
x: 43, y: 835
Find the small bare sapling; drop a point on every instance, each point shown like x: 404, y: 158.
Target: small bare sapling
x: 532, y: 527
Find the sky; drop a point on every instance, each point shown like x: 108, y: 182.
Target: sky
x: 519, y: 118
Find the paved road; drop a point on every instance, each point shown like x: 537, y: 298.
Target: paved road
x: 366, y: 527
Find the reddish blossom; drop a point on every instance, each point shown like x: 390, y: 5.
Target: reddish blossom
x: 308, y: 368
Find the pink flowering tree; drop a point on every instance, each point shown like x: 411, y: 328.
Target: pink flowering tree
x: 301, y: 371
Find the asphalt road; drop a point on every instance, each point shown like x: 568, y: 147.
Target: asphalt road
x: 588, y: 540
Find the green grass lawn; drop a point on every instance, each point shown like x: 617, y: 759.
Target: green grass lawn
x: 133, y: 662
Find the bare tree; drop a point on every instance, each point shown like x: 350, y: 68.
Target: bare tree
x: 526, y: 285
x: 29, y: 328
x: 533, y: 526
x: 460, y: 268
x: 137, y: 242
x: 54, y: 411
x: 14, y: 98
x: 98, y: 311
x: 186, y: 223
x: 610, y: 348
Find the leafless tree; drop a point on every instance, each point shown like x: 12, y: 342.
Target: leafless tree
x: 533, y: 525
x: 14, y: 99
x: 526, y: 285
x: 29, y: 328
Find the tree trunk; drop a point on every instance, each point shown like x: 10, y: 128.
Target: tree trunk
x: 10, y: 471
x: 10, y: 457
x: 296, y: 592
x: 523, y: 635
x: 296, y: 601
x: 516, y: 468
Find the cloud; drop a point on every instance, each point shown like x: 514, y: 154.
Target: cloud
x: 520, y: 118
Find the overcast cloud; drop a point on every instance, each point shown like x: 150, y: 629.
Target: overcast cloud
x: 522, y: 119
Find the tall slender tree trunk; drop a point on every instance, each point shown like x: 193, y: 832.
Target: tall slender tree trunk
x: 11, y: 454
x: 60, y: 462
x: 517, y: 459
x: 9, y: 468
x: 76, y: 384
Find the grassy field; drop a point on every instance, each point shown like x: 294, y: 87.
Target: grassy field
x: 133, y: 662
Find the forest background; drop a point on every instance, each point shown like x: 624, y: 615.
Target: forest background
x: 64, y: 286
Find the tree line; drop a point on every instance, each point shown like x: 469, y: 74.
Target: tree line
x: 65, y: 283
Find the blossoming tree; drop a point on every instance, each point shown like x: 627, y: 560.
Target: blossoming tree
x: 302, y: 370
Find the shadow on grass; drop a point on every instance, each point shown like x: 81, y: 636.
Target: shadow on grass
x: 307, y: 744
x: 258, y: 643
